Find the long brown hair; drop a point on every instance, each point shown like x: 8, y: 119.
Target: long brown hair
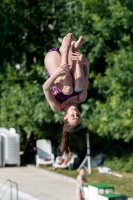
x: 67, y: 128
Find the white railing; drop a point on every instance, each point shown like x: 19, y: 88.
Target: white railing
x: 8, y: 187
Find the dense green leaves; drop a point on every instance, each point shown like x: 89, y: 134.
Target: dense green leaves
x: 111, y: 56
x: 115, y: 115
x: 30, y: 28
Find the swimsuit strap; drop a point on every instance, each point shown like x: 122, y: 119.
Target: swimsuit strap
x: 60, y: 106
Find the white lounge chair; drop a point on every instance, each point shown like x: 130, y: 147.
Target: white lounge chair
x: 44, y: 152
x: 70, y: 165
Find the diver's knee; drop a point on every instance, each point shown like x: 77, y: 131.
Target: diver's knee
x: 78, y: 87
x: 67, y: 90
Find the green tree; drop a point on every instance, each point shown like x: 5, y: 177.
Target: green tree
x: 110, y: 54
x: 30, y: 28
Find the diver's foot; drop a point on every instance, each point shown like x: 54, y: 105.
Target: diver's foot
x: 76, y: 44
x: 66, y: 43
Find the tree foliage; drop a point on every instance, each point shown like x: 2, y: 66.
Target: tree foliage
x: 29, y: 28
x: 111, y: 57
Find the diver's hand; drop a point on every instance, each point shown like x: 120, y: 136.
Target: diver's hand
x: 80, y: 58
x: 62, y: 70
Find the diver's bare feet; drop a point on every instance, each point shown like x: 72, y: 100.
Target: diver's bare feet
x: 66, y: 43
x: 76, y: 44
